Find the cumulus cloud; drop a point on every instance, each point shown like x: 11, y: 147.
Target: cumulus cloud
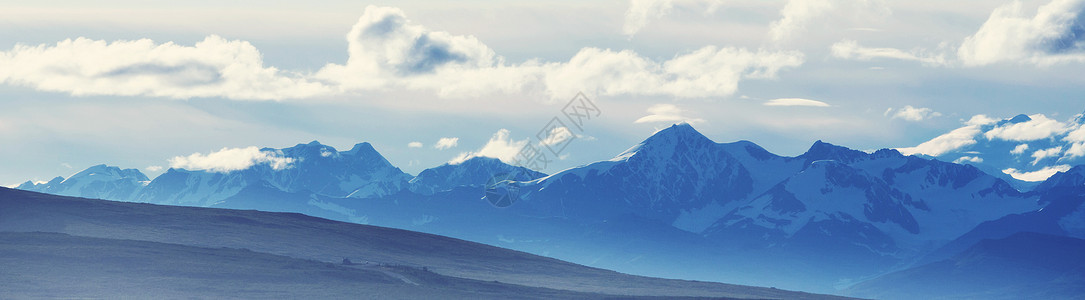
x: 666, y: 113
x: 384, y: 44
x: 557, y: 136
x: 231, y: 159
x: 850, y: 49
x: 1045, y: 153
x: 914, y: 114
x: 1039, y: 127
x: 1076, y: 138
x: 1064, y: 141
x: 214, y: 67
x: 1020, y: 149
x: 794, y: 16
x: 960, y: 137
x: 500, y: 146
x: 446, y: 142
x: 1039, y: 175
x: 953, y: 140
x: 1053, y: 35
x: 386, y: 51
x: 153, y: 168
x: 795, y: 102
x: 971, y: 159
x: 980, y: 120
x: 707, y: 72
x: 1076, y: 150
x: 1077, y: 135
x: 641, y: 12
x: 797, y: 14
x: 414, y: 145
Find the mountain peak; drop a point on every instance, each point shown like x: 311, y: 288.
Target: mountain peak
x: 1075, y: 177
x: 105, y: 170
x: 480, y: 160
x: 361, y: 148
x: 825, y: 151
x: 1016, y: 119
x: 680, y: 132
x: 668, y: 139
x: 310, y: 145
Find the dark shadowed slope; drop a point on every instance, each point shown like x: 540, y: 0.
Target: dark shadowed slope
x: 55, y: 265
x: 303, y: 237
x: 1022, y: 266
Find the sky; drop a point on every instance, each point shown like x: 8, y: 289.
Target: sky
x: 206, y: 84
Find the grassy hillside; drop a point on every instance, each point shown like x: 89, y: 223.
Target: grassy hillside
x: 318, y: 240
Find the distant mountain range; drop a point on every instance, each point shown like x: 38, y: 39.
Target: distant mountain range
x: 675, y: 205
x: 360, y: 172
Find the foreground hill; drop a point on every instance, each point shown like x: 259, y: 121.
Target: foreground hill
x: 55, y: 265
x: 294, y: 239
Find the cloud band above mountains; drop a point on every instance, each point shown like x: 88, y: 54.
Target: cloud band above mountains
x: 386, y: 51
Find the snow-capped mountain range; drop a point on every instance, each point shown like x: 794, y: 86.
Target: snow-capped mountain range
x: 676, y: 195
x: 360, y: 172
x: 101, y: 181
x: 843, y: 203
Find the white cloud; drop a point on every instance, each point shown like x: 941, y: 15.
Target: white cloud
x: 1049, y: 37
x: 1077, y: 135
x: 666, y: 113
x: 385, y: 45
x: 231, y: 159
x: 446, y: 142
x: 641, y: 12
x: 1076, y: 150
x: 1076, y: 138
x: 556, y: 136
x: 500, y: 146
x: 1045, y: 153
x: 386, y: 51
x: 214, y: 67
x: 795, y: 15
x: 980, y: 120
x: 850, y: 49
x: 1040, y: 127
x: 466, y: 67
x: 914, y: 114
x: 795, y: 102
x: 1020, y: 149
x: 153, y: 168
x: 960, y: 137
x: 706, y: 72
x: 972, y: 159
x: 414, y: 145
x: 1039, y: 175
x: 1037, y: 127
